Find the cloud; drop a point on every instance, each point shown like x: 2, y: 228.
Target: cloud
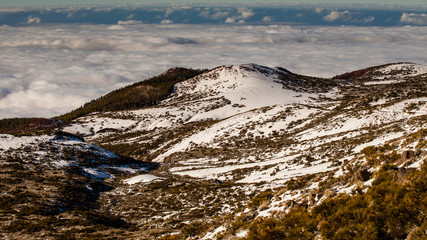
x: 230, y: 20
x: 169, y: 11
x: 230, y: 15
x: 220, y: 14
x: 205, y: 13
x: 166, y: 21
x: 319, y: 10
x: 414, y: 18
x: 128, y: 22
x: 346, y: 16
x: 245, y: 13
x: 367, y: 20
x: 116, y: 27
x: 337, y: 15
x: 12, y: 10
x: 267, y: 19
x: 46, y: 71
x: 33, y: 20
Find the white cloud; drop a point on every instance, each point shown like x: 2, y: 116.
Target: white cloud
x: 32, y: 20
x: 205, y: 13
x: 169, y: 11
x: 367, y: 20
x: 166, y: 21
x: 348, y: 17
x: 245, y: 13
x: 220, y: 15
x: 337, y: 15
x: 319, y: 10
x: 267, y: 19
x: 128, y: 22
x: 230, y: 15
x: 230, y: 20
x: 414, y: 18
x: 47, y: 71
x: 11, y: 10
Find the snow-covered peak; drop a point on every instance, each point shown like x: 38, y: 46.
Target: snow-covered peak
x: 385, y: 74
x: 242, y: 87
x: 401, y: 70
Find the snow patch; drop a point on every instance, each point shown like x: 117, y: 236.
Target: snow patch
x: 96, y: 173
x: 144, y: 178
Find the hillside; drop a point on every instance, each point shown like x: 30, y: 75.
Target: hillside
x: 235, y: 152
x: 139, y: 95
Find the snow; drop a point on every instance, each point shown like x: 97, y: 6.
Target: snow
x: 344, y: 122
x: 8, y: 142
x: 214, y: 172
x: 417, y: 164
x: 61, y: 163
x: 378, y: 141
x: 278, y: 203
x: 125, y: 168
x: 369, y: 182
x: 383, y: 82
x: 216, y: 231
x: 402, y: 70
x: 283, y: 176
x: 281, y: 166
x: 94, y: 124
x: 339, y: 173
x: 144, y: 178
x: 36, y: 147
x: 347, y: 190
x: 78, y: 129
x: 96, y: 173
x: 240, y: 86
x: 246, y: 89
x: 242, y: 233
x: 378, y: 102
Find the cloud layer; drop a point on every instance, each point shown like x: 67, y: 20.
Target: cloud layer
x: 46, y: 71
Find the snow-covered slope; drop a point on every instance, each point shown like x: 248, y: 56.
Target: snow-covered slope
x: 234, y: 131
x: 386, y: 74
x: 237, y: 119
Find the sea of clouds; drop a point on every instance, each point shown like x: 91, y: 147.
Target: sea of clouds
x: 50, y: 69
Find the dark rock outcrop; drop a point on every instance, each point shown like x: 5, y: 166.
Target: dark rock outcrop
x: 362, y: 175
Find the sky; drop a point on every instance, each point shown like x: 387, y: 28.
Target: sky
x: 25, y: 3
x: 56, y: 59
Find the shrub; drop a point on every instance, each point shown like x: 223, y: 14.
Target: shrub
x: 260, y: 199
x: 388, y: 210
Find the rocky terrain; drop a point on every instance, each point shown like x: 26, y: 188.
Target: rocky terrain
x: 235, y: 152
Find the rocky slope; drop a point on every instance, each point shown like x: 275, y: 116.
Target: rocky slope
x: 227, y: 150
